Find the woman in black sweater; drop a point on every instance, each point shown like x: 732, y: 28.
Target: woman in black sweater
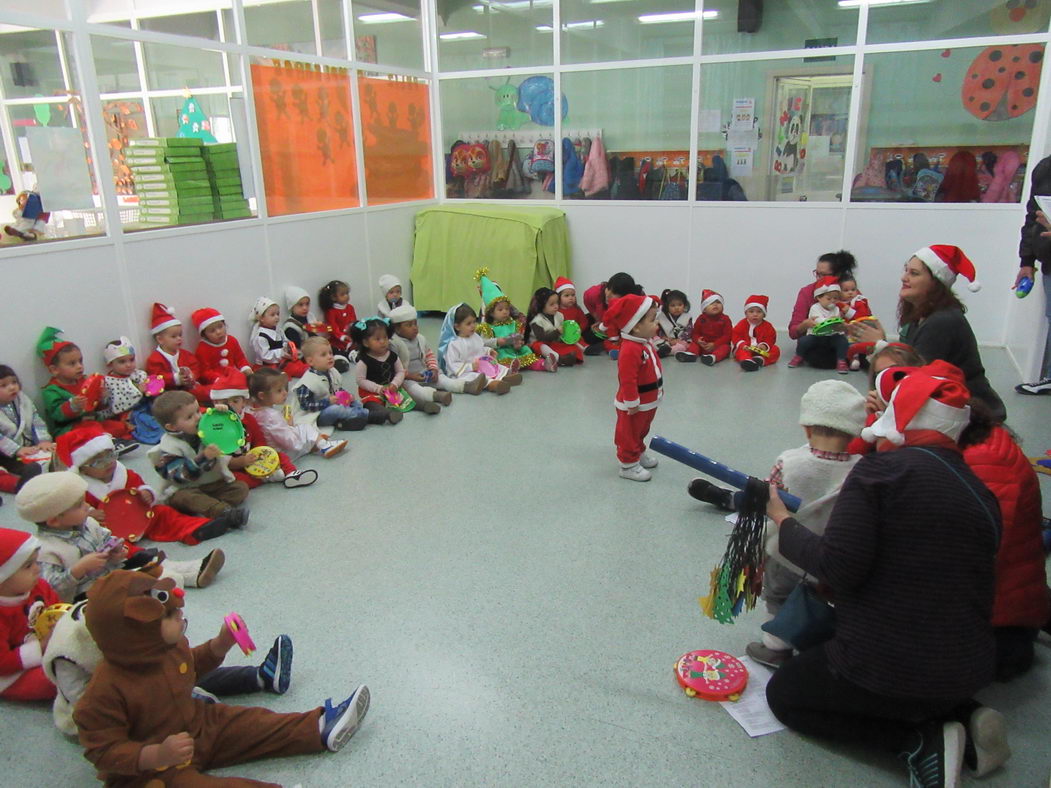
x: 909, y: 553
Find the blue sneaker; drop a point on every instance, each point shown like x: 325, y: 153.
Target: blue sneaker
x: 613, y: 354
x: 341, y: 722
x: 275, y: 674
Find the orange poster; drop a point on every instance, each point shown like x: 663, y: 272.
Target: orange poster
x: 396, y: 132
x: 306, y: 138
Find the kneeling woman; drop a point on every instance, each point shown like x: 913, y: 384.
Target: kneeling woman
x: 909, y: 553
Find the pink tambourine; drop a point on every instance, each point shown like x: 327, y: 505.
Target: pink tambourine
x: 343, y: 398
x: 239, y: 630
x: 711, y: 675
x: 154, y: 385
x: 488, y: 367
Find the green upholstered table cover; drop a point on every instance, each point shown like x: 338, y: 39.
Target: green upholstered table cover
x: 523, y: 247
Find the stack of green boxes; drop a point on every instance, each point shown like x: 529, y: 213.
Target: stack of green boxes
x: 224, y: 175
x: 171, y: 179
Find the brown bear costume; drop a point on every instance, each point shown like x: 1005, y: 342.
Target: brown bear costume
x: 140, y: 694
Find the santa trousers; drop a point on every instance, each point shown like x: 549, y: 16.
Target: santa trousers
x: 31, y: 685
x: 743, y: 354
x: 171, y: 525
x: 631, y: 430
x: 236, y: 734
x: 719, y: 351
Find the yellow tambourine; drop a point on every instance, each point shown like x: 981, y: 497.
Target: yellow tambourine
x: 265, y: 463
x: 47, y: 618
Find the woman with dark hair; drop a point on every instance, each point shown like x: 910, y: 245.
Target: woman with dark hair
x: 960, y: 183
x: 598, y: 297
x: 932, y: 321
x: 837, y: 264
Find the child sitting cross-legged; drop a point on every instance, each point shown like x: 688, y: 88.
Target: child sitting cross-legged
x: 544, y: 327
x: 831, y: 413
x: 379, y: 371
x: 712, y: 332
x: 76, y: 551
x: 195, y: 479
x: 319, y: 398
x: 89, y: 452
x: 230, y: 392
x: 464, y: 355
x: 126, y: 398
x: 23, y: 433
x: 827, y: 293
x: 217, y: 350
x: 423, y: 379
x: 267, y: 392
x: 132, y: 738
x: 269, y: 347
x: 754, y: 338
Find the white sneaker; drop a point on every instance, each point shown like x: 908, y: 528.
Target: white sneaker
x: 855, y: 364
x: 551, y: 363
x: 987, y: 731
x: 329, y: 448
x: 647, y: 460
x: 635, y: 473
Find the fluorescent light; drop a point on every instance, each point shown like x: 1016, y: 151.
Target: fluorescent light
x: 463, y: 35
x: 376, y: 19
x: 677, y: 16
x: 600, y: 2
x: 857, y: 3
x: 588, y: 24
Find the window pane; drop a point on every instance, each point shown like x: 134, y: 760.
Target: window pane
x: 306, y: 137
x: 929, y: 19
x: 780, y: 25
x: 174, y: 68
x: 31, y: 64
x: 330, y: 21
x: 288, y: 25
x: 53, y: 9
x: 490, y: 144
x: 773, y: 130
x: 645, y: 132
x: 949, y: 126
x: 595, y: 30
x: 488, y: 34
x: 383, y: 36
x: 115, y: 64
x: 396, y: 129
x: 201, y: 25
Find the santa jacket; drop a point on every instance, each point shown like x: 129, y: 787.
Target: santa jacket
x: 19, y: 649
x: 639, y: 375
x: 1021, y: 582
x: 745, y: 334
x: 857, y: 308
x: 160, y: 363
x: 718, y: 330
x: 216, y: 358
x: 575, y: 313
x: 123, y: 479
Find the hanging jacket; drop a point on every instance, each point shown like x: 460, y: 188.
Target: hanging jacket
x: 596, y: 170
x: 1021, y: 598
x: 572, y: 168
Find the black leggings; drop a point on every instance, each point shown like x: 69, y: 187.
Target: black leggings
x: 808, y: 697
x: 824, y: 345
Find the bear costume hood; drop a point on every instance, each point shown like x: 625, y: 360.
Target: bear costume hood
x: 124, y: 616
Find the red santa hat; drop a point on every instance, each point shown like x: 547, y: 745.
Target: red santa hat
x: 80, y: 444
x: 760, y: 301
x: 202, y: 318
x: 563, y: 284
x: 947, y: 262
x: 932, y: 398
x: 624, y: 313
x: 709, y: 297
x: 15, y: 549
x: 162, y: 317
x: 826, y: 284
x: 230, y: 383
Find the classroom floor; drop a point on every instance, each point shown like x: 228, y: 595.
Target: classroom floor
x: 516, y: 608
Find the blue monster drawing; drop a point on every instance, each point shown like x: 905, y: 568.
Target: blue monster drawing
x: 536, y: 95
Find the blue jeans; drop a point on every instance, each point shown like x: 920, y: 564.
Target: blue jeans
x: 334, y: 413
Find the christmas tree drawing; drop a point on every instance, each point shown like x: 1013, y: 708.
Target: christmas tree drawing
x: 193, y: 122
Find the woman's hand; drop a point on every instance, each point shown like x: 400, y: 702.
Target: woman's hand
x: 805, y: 325
x: 867, y: 331
x: 775, y: 507
x: 873, y: 404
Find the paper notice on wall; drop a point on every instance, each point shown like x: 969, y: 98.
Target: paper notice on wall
x: 743, y: 139
x: 62, y: 176
x: 709, y: 120
x: 818, y: 147
x: 743, y: 114
x: 741, y: 161
x: 751, y: 710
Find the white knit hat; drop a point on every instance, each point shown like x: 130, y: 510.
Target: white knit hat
x: 834, y: 404
x: 387, y: 282
x: 293, y: 295
x: 403, y: 314
x: 261, y: 305
x: 49, y: 494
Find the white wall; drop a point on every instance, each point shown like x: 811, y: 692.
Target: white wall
x: 99, y: 289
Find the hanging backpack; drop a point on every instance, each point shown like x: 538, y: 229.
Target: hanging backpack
x: 542, y: 159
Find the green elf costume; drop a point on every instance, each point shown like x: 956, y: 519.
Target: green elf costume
x: 506, y: 355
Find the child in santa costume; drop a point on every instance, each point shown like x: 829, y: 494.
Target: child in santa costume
x: 23, y: 594
x: 544, y: 330
x: 827, y: 294
x: 502, y: 322
x: 390, y: 289
x: 639, y: 374
x: 179, y: 369
x: 268, y: 392
x: 674, y: 324
x: 88, y: 451
x: 126, y: 398
x: 596, y: 301
x: 712, y: 332
x: 268, y: 346
x: 570, y: 310
x: 334, y: 300
x: 218, y: 350
x: 853, y: 306
x: 23, y: 433
x: 230, y: 392
x: 754, y: 338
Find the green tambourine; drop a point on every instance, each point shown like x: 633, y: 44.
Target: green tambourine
x: 221, y: 428
x: 570, y: 332
x: 831, y: 326
x: 399, y: 400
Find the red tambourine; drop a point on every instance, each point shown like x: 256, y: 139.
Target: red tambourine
x: 317, y: 328
x: 91, y: 390
x: 711, y: 675
x: 128, y: 514
x: 239, y: 630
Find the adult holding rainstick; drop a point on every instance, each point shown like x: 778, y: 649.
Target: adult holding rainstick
x: 1033, y: 248
x: 931, y: 318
